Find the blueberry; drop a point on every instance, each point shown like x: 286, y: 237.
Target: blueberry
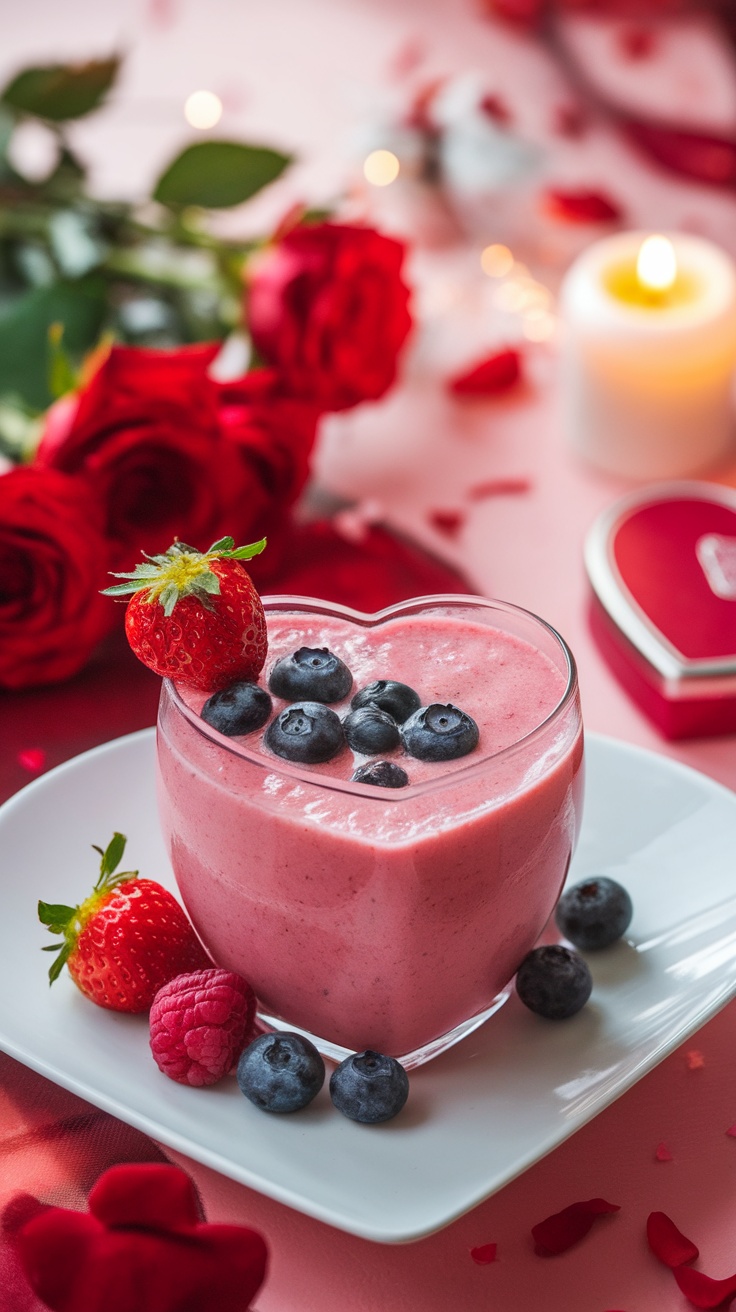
x: 383, y: 774
x: 307, y: 732
x: 280, y: 1072
x: 397, y: 699
x: 594, y: 913
x: 554, y: 981
x: 369, y: 1087
x: 311, y: 672
x: 439, y: 733
x: 370, y: 730
x: 241, y: 708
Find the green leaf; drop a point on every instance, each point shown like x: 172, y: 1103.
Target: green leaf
x: 223, y: 544
x: 217, y: 174
x: 119, y: 590
x: 113, y: 853
x: 62, y: 375
x: 58, y: 965
x: 55, y: 915
x: 61, y: 91
x: 24, y: 328
x: 245, y: 553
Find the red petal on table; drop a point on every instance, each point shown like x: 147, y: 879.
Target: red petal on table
x: 498, y: 487
x: 731, y: 1131
x: 637, y: 42
x: 495, y: 108
x: 582, y: 206
x: 667, y: 1242
x: 569, y: 121
x: 32, y: 759
x: 484, y: 1254
x: 496, y: 373
x: 448, y: 522
x: 707, y: 158
x: 695, y: 1060
x: 563, y: 1229
x: 701, y: 1290
x: 662, y: 1153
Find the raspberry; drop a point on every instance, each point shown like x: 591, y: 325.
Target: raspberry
x: 200, y: 1024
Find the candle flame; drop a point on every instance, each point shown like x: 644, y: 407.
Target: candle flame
x: 656, y: 265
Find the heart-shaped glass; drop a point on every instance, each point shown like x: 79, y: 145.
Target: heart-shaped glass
x: 380, y: 917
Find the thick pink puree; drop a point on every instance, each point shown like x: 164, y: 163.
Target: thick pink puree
x: 381, y: 918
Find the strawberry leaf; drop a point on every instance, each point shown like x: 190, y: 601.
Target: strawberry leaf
x: 112, y: 855
x: 224, y: 544
x: 244, y: 553
x: 55, y: 916
x: 58, y: 965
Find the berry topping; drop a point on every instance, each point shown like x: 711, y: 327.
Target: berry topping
x: 281, y: 1072
x: 200, y: 1024
x: 126, y: 940
x: 307, y: 732
x: 397, y: 699
x: 382, y: 774
x: 369, y: 730
x: 594, y: 913
x: 439, y: 733
x: 554, y: 982
x: 196, y: 617
x: 313, y: 673
x: 241, y: 708
x: 369, y: 1087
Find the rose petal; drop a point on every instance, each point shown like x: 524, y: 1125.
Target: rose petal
x: 708, y: 158
x: 495, y: 373
x: 582, y: 206
x: 498, y: 487
x: 667, y: 1242
x: 637, y: 42
x: 662, y: 1153
x: 560, y: 1231
x: 32, y: 759
x: 494, y: 108
x: 695, y: 1060
x: 484, y: 1254
x: 449, y: 522
x: 731, y: 1131
x: 701, y: 1290
x: 569, y: 121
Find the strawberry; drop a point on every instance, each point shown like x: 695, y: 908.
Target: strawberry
x: 126, y: 940
x: 194, y: 616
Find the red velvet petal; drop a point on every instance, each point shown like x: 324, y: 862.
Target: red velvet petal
x: 498, y: 487
x: 495, y: 108
x: 582, y: 206
x: 560, y: 1231
x: 695, y: 1060
x: 662, y: 1153
x: 32, y: 759
x: 707, y: 158
x: 667, y: 1242
x: 701, y: 1290
x: 147, y: 1194
x: 449, y: 522
x: 731, y: 1131
x: 484, y: 1254
x: 496, y: 373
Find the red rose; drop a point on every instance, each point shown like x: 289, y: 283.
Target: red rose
x: 53, y: 561
x: 145, y: 431
x: 327, y: 306
x: 274, y: 435
x: 143, y: 1245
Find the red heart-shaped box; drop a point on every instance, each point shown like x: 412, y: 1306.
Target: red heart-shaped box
x: 662, y: 567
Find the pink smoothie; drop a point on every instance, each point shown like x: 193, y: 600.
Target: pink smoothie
x: 374, y: 917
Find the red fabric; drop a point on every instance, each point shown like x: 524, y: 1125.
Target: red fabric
x: 328, y: 307
x: 142, y: 1245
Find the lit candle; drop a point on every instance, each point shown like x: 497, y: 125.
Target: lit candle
x: 649, y: 354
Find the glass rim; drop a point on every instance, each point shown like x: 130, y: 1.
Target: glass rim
x: 304, y: 775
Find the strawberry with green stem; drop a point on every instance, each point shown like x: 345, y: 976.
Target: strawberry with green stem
x: 124, y: 941
x: 195, y: 617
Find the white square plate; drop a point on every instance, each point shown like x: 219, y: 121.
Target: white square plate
x: 477, y: 1116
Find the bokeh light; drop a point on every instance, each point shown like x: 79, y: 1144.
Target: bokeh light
x: 497, y: 261
x: 381, y: 167
x: 203, y: 109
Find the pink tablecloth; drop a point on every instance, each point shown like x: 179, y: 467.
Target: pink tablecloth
x: 283, y: 68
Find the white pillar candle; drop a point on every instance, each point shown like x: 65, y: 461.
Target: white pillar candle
x: 649, y: 354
